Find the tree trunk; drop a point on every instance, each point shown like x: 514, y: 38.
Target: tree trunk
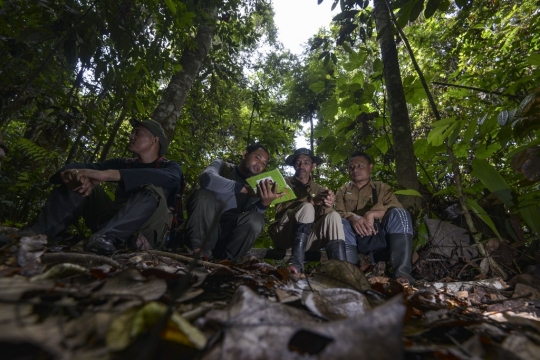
x: 175, y: 95
x: 399, y: 116
x: 114, y: 132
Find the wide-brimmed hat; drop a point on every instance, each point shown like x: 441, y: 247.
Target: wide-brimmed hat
x: 157, y: 130
x: 303, y: 151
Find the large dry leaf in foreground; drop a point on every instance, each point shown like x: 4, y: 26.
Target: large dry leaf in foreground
x: 131, y: 283
x: 340, y: 274
x: 337, y: 304
x: 256, y: 328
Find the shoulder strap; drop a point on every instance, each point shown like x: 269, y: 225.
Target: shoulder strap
x: 374, y: 195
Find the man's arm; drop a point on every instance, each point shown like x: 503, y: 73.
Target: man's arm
x: 210, y: 179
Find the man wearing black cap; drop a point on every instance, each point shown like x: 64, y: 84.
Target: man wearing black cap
x: 309, y: 221
x: 139, y: 209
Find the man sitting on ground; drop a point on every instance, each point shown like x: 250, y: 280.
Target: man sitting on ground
x: 139, y: 209
x: 225, y: 217
x: 309, y: 221
x: 360, y: 202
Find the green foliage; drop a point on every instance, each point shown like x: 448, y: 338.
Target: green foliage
x: 482, y: 61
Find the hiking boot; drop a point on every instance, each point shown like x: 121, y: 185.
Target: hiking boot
x: 101, y: 244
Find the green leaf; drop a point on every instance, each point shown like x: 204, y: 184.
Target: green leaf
x: 317, y: 87
x: 346, y: 15
x: 377, y: 65
x: 481, y: 213
x: 416, y: 10
x: 329, y: 108
x: 140, y: 106
x: 455, y: 133
x: 347, y: 48
x: 484, y: 152
x: 534, y: 59
x: 492, y: 180
x: 405, y: 14
x: 440, y: 132
x: 431, y: 7
x: 381, y: 144
x: 171, y: 6
x: 471, y: 130
x: 421, y: 147
x: 409, y: 192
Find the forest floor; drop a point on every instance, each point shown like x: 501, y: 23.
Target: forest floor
x: 60, y: 303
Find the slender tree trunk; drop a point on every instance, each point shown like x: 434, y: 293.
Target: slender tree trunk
x: 175, y: 95
x: 399, y: 116
x: 114, y: 132
x: 311, y: 132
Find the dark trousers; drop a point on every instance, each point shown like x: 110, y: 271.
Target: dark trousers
x: 394, y: 221
x: 225, y: 234
x: 144, y: 211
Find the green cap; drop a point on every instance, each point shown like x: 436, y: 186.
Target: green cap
x: 157, y: 130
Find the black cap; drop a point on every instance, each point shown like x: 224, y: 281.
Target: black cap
x: 303, y: 151
x: 157, y: 130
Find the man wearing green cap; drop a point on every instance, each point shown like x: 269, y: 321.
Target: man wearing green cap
x: 309, y: 221
x: 139, y: 211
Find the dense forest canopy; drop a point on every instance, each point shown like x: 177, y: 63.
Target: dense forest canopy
x: 75, y: 72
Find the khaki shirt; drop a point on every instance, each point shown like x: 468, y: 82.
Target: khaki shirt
x: 351, y: 200
x: 302, y: 192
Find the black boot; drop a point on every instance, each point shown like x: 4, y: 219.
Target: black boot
x: 336, y: 250
x: 301, y: 234
x: 351, y: 252
x: 400, y: 255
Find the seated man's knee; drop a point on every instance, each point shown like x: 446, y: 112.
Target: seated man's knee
x: 256, y: 221
x: 203, y: 195
x: 334, y: 217
x: 398, y: 220
x: 305, y: 213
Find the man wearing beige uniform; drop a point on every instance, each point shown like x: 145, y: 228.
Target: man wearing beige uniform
x: 309, y: 221
x: 360, y: 202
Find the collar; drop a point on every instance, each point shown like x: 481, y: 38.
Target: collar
x: 370, y: 183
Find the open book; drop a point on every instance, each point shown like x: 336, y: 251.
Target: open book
x: 276, y: 177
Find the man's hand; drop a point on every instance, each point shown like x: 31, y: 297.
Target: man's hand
x: 363, y: 225
x: 267, y: 190
x: 325, y: 198
x: 83, y: 181
x: 71, y: 178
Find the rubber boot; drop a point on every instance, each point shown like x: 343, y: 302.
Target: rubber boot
x: 336, y: 250
x: 400, y: 255
x: 351, y: 252
x: 296, y: 261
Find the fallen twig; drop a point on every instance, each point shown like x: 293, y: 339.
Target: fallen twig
x: 188, y: 259
x: 77, y: 258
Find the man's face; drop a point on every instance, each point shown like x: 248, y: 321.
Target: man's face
x: 255, y: 162
x: 141, y: 140
x: 303, y: 166
x: 359, y: 169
